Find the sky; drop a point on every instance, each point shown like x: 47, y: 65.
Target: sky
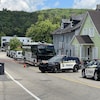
x: 36, y: 5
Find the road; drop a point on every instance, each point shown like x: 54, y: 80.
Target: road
x: 28, y: 83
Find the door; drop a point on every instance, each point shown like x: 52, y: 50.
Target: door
x: 88, y: 52
x: 90, y: 70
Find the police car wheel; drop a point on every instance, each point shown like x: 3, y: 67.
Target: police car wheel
x: 83, y: 74
x: 75, y: 68
x: 42, y: 71
x: 95, y: 76
x: 35, y: 65
x: 55, y: 70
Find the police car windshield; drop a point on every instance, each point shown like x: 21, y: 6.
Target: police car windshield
x: 93, y: 62
x: 57, y: 58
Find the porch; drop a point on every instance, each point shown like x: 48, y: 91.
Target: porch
x: 87, y: 50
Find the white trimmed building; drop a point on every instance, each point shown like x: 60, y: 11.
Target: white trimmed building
x: 6, y: 39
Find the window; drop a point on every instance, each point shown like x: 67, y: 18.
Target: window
x: 76, y: 50
x: 85, y: 32
x: 3, y: 39
x: 27, y: 40
x: 95, y: 52
x: 88, y: 31
x: 91, y: 32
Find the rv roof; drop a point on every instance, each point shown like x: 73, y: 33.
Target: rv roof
x: 37, y: 43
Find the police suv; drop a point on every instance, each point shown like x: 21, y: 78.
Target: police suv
x: 60, y: 63
x: 92, y: 70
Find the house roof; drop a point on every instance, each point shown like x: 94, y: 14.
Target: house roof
x: 84, y: 39
x: 70, y: 28
x: 95, y: 16
x: 77, y: 17
x: 61, y: 31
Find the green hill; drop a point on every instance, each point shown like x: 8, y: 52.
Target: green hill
x: 17, y: 22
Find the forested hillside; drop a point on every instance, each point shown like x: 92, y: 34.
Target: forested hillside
x: 19, y: 22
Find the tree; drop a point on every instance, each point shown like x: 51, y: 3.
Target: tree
x: 15, y: 44
x: 41, y: 17
x: 1, y: 34
x: 41, y: 31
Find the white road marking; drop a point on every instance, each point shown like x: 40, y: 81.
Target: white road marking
x: 33, y: 95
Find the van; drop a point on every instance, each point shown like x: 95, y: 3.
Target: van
x: 18, y: 55
x: 11, y: 53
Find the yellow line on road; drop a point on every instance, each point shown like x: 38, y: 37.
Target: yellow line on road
x: 72, y: 80
x: 75, y: 81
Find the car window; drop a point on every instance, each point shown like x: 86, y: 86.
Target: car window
x: 99, y: 64
x: 64, y: 58
x: 73, y: 58
x: 77, y: 61
x: 92, y: 63
x: 56, y: 59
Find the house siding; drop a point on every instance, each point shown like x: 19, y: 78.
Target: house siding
x: 76, y: 46
x: 95, y: 37
x: 63, y: 36
x: 64, y: 40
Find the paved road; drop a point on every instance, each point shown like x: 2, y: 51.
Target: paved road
x: 29, y: 83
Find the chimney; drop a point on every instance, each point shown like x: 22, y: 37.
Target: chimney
x: 98, y: 7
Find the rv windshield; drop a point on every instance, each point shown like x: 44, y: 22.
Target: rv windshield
x: 50, y: 49
x: 41, y: 49
x: 45, y: 49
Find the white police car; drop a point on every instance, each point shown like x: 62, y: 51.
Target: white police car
x: 92, y: 70
x: 60, y: 63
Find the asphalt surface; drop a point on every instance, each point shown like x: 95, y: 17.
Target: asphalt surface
x: 28, y: 83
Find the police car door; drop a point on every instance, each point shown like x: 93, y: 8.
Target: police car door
x: 67, y: 64
x: 90, y: 70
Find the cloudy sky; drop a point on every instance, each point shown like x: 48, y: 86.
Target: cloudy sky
x: 34, y: 5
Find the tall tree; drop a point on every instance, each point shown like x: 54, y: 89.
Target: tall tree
x: 41, y: 31
x: 1, y: 34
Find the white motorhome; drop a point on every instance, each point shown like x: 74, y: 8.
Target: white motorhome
x: 6, y: 39
x: 35, y: 52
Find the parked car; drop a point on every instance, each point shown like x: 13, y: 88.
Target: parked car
x: 18, y: 55
x: 60, y: 63
x: 11, y: 53
x: 2, y: 49
x: 8, y: 53
x: 92, y: 70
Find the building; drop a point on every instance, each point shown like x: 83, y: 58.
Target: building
x: 6, y: 39
x: 79, y: 36
x: 87, y: 43
x: 63, y: 35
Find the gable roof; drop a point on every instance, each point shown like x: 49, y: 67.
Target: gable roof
x: 61, y: 31
x: 84, y: 39
x: 95, y: 16
x: 70, y: 28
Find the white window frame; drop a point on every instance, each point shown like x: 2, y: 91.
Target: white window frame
x: 76, y: 50
x: 91, y: 32
x: 85, y: 31
x: 95, y: 52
